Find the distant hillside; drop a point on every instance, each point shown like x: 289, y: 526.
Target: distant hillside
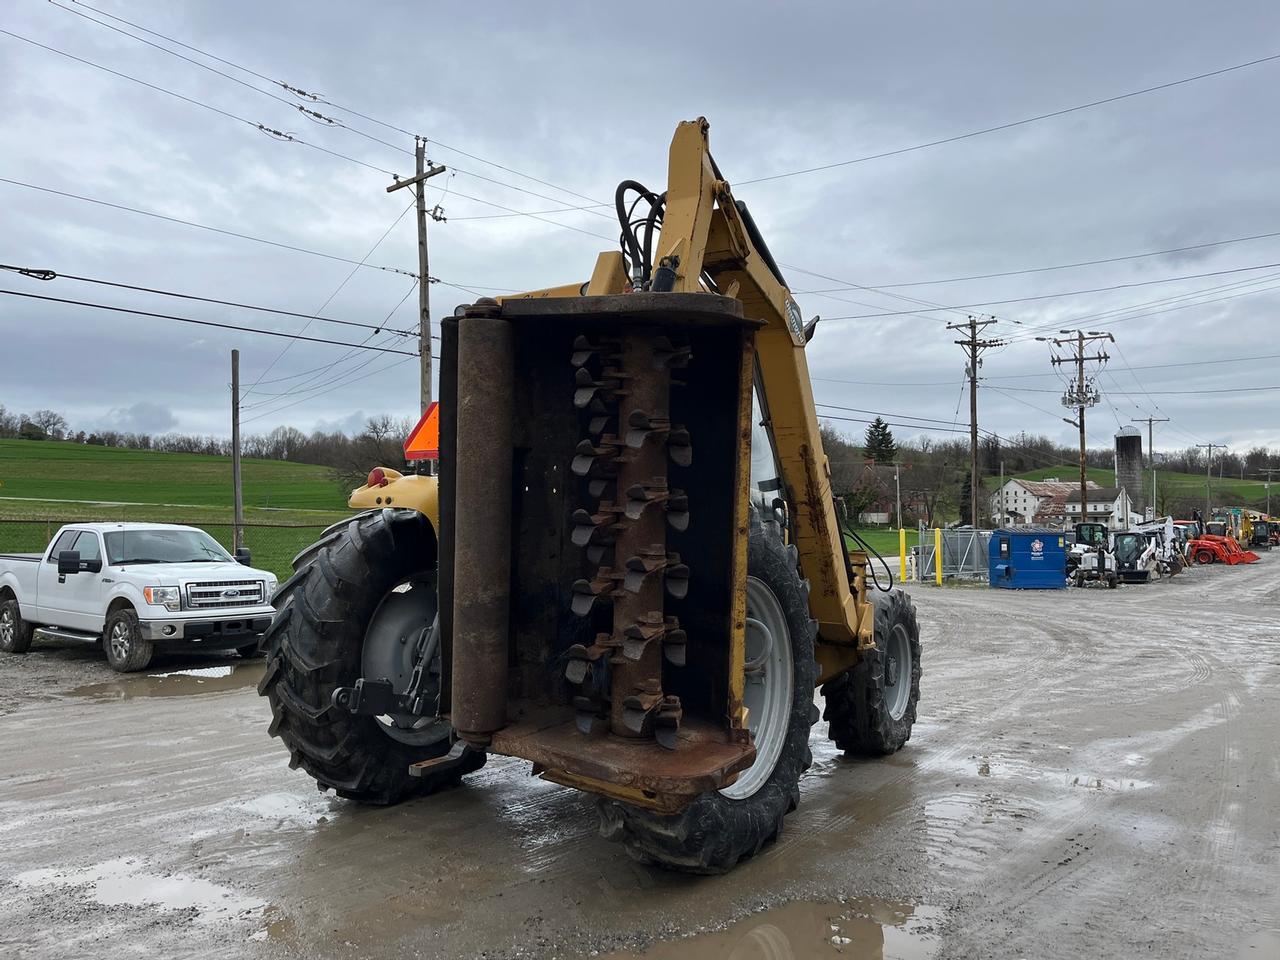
x: 58, y: 470
x: 1226, y: 492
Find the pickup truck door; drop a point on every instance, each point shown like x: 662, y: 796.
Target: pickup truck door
x: 73, y: 601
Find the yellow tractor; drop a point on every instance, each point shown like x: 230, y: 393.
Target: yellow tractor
x: 640, y: 573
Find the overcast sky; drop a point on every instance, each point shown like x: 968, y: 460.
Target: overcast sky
x: 582, y: 95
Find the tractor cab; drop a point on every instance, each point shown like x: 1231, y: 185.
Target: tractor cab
x: 1134, y: 556
x: 1090, y: 560
x: 1092, y: 535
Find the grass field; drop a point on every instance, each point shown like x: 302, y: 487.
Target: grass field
x: 49, y: 470
x: 286, y: 504
x: 1227, y: 491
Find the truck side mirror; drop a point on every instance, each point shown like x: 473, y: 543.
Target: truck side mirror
x: 68, y: 562
x: 243, y: 556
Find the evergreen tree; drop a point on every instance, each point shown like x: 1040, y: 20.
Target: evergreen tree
x: 966, y: 500
x: 878, y: 444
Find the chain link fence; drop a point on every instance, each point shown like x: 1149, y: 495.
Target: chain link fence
x: 272, y: 545
x: 964, y: 555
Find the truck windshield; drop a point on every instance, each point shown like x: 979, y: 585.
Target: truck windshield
x: 164, y: 546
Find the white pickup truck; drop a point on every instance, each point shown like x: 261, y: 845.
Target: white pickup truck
x: 134, y: 587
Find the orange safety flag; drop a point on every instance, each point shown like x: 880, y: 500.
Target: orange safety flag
x: 423, y: 442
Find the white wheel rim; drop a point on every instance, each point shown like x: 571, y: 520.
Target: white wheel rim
x: 120, y: 641
x: 769, y: 688
x: 898, y: 667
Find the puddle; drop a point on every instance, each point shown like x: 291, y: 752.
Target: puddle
x: 174, y: 683
x: 122, y: 883
x: 858, y: 929
x: 287, y: 809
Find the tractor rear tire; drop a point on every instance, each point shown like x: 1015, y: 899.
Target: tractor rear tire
x: 314, y: 645
x: 871, y: 707
x: 717, y: 831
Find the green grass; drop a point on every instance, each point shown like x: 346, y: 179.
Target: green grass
x: 1233, y: 492
x: 286, y: 504
x: 882, y: 540
x: 51, y: 470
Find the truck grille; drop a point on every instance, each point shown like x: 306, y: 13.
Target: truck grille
x: 228, y: 593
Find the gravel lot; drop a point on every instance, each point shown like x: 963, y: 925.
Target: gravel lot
x: 1094, y: 774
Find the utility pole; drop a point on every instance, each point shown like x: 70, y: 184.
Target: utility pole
x: 1081, y: 394
x: 1208, y: 474
x: 973, y: 348
x: 1001, y: 521
x: 423, y: 173
x: 1267, y: 473
x: 237, y: 527
x: 1151, y: 453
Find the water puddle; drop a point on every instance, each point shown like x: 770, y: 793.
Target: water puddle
x: 174, y: 683
x: 123, y: 883
x: 858, y: 929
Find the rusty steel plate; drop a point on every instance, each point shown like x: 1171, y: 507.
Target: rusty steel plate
x: 660, y: 309
x: 705, y: 757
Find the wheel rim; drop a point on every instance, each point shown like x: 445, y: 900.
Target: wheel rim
x: 390, y: 641
x: 119, y: 640
x: 6, y: 626
x: 898, y: 667
x: 769, y: 687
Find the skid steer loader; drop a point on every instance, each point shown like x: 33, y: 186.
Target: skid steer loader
x: 640, y: 573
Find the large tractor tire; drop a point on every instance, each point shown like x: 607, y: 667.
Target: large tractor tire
x: 353, y: 607
x: 15, y: 633
x: 871, y: 707
x: 719, y: 829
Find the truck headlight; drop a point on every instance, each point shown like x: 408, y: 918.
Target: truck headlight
x: 166, y: 596
x: 270, y: 587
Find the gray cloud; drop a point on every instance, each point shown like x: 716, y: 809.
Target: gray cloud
x: 825, y: 82
x: 141, y: 417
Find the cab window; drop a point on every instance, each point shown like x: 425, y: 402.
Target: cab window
x: 87, y: 544
x: 64, y: 541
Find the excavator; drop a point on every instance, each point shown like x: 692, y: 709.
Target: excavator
x: 629, y: 572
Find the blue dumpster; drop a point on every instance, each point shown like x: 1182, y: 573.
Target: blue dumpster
x: 1028, y: 557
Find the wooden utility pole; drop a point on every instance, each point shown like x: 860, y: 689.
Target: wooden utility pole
x: 1208, y: 474
x: 237, y: 528
x: 973, y: 348
x: 1081, y: 394
x: 422, y: 173
x: 1151, y: 453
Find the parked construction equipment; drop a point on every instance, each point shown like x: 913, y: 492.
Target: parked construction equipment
x: 1090, y: 559
x: 640, y: 573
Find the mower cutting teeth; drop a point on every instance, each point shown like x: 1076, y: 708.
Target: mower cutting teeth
x: 584, y: 349
x: 594, y: 528
x: 637, y: 637
x: 581, y: 659
x: 639, y: 567
x: 666, y: 722
x: 587, y: 715
x: 674, y: 647
x: 640, y: 495
x: 679, y: 448
x: 678, y: 510
x: 585, y: 592
x: 640, y: 426
x: 670, y: 355
x: 637, y: 709
x: 588, y: 456
x: 587, y: 388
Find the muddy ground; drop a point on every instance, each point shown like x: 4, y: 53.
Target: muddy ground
x: 1094, y: 774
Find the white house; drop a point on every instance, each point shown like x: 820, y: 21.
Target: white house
x: 1032, y: 501
x: 1107, y: 505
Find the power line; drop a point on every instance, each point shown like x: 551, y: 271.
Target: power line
x: 1052, y: 296
x: 46, y: 275
x: 321, y: 118
x: 1015, y: 123
x: 1081, y: 263
x: 1161, y: 393
x: 202, y: 323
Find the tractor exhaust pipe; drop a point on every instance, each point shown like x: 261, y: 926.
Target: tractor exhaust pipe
x: 482, y: 524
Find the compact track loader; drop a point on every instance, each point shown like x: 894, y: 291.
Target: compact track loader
x: 640, y: 573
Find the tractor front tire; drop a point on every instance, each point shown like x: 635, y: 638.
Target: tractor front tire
x: 315, y: 644
x: 871, y: 707
x: 719, y: 829
x: 1204, y: 557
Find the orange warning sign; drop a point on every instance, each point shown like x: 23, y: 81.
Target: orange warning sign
x: 423, y: 443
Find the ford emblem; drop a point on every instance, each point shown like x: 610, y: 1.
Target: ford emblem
x: 229, y: 594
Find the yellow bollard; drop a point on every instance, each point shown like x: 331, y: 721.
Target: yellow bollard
x: 902, y: 555
x: 937, y: 555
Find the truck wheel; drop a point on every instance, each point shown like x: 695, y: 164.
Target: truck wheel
x: 871, y: 707
x: 15, y: 633
x: 719, y: 829
x: 354, y: 595
x: 127, y: 650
